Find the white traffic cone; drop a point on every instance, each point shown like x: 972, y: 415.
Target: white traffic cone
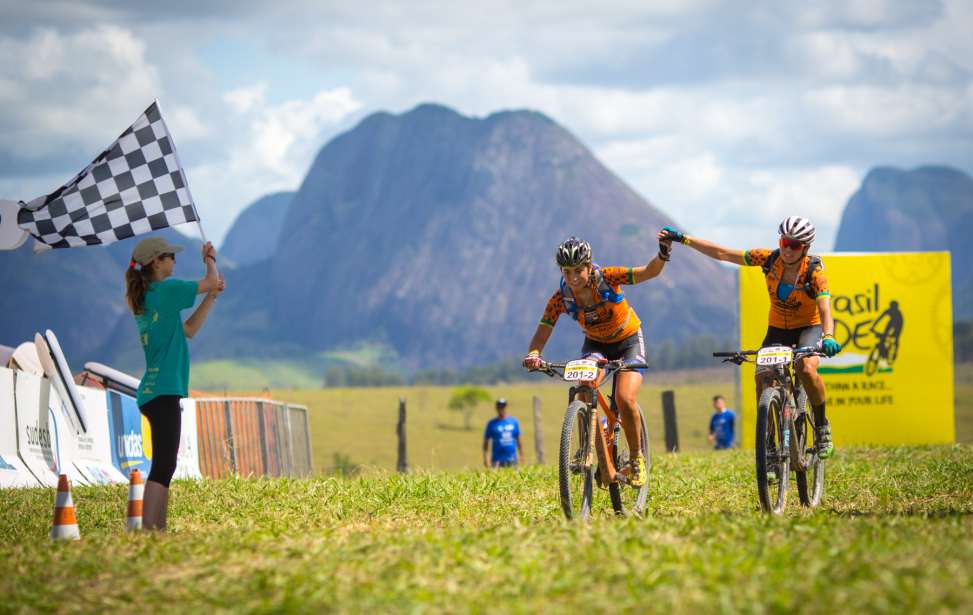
x: 65, y: 526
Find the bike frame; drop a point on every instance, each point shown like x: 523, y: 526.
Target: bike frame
x: 600, y: 439
x: 781, y: 377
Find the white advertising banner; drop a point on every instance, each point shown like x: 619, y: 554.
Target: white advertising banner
x: 44, y: 445
x: 93, y: 457
x: 187, y: 461
x: 13, y: 472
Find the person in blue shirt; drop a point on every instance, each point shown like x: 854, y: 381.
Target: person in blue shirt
x: 722, y: 424
x: 504, y: 431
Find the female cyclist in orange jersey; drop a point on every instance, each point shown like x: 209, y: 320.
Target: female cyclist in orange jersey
x: 800, y: 305
x: 592, y: 296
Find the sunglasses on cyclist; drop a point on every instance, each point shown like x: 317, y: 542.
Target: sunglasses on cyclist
x: 168, y: 255
x: 793, y: 244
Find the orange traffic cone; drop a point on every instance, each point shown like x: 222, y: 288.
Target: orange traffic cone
x: 136, y: 488
x: 65, y: 523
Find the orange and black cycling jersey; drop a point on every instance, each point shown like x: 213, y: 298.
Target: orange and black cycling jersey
x: 799, y: 309
x: 606, y: 321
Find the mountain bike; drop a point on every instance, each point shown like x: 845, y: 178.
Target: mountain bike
x: 585, y: 439
x: 785, y: 428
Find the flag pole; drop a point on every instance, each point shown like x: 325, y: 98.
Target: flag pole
x: 182, y: 169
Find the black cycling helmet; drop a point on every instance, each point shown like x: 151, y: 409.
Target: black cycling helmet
x: 573, y: 252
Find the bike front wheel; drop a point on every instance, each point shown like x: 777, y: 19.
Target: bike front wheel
x: 772, y: 454
x: 625, y: 499
x: 809, y: 475
x: 574, y: 476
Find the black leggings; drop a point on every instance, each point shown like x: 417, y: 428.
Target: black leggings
x: 165, y: 418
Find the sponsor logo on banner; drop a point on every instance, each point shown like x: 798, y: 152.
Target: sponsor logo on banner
x: 130, y: 435
x: 869, y: 333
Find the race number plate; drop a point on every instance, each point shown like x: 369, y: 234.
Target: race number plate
x: 774, y: 355
x: 582, y: 369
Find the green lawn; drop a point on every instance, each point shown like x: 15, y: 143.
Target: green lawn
x: 359, y: 423
x: 894, y: 535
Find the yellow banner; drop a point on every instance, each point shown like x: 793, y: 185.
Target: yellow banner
x: 892, y: 382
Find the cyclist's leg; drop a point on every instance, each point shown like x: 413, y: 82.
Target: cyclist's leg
x: 627, y: 385
x: 631, y: 350
x: 626, y: 393
x: 807, y: 372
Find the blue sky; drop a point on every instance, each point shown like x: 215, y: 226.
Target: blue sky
x: 726, y: 115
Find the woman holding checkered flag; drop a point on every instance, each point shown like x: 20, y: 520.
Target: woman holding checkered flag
x: 157, y: 300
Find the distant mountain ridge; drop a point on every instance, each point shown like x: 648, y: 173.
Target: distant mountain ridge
x: 253, y: 235
x: 427, y: 232
x: 439, y: 233
x: 928, y: 208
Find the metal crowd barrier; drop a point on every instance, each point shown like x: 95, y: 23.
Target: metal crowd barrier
x: 252, y: 437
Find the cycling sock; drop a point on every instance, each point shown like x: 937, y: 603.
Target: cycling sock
x: 819, y: 418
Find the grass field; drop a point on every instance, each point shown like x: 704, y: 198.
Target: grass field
x: 894, y: 534
x: 359, y: 424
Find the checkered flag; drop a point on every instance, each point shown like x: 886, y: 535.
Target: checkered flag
x: 134, y: 187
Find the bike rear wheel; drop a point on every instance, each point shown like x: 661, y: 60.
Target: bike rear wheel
x: 772, y: 454
x: 574, y: 479
x: 625, y: 499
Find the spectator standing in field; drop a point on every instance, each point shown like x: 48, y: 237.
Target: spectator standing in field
x: 504, y: 431
x: 722, y: 424
x: 156, y: 301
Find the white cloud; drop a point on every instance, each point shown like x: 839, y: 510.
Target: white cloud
x: 718, y: 114
x: 73, y: 91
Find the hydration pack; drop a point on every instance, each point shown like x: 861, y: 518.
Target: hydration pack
x: 602, y: 289
x: 814, y: 263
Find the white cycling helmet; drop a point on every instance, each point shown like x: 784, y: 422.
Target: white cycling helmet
x: 798, y: 228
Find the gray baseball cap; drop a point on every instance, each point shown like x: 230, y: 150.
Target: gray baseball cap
x: 150, y: 249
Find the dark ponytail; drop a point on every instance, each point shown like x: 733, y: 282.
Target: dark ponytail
x: 136, y: 285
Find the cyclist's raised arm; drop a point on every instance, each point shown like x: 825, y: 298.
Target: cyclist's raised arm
x: 703, y: 246
x: 654, y: 267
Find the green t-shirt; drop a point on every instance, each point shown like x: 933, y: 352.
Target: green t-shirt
x: 163, y: 339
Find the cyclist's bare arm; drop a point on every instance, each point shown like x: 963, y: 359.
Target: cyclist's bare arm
x: 716, y: 251
x: 648, y: 271
x: 541, y: 335
x: 824, y: 309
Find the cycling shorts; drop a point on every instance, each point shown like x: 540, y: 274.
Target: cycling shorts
x: 631, y: 350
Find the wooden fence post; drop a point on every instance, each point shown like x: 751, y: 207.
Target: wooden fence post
x: 669, y: 419
x: 538, y: 436
x: 402, y: 465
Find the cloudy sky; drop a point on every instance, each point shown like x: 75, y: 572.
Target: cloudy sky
x: 726, y: 115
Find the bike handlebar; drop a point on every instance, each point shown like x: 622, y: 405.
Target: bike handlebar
x: 616, y: 365
x: 740, y: 356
